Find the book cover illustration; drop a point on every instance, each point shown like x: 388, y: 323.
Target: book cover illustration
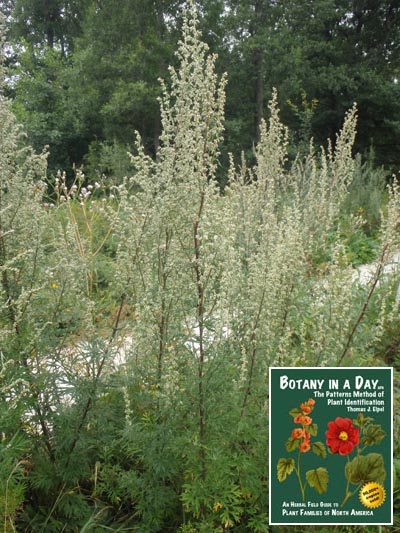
x: 330, y: 451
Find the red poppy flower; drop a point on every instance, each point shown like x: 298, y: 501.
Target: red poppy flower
x: 342, y: 436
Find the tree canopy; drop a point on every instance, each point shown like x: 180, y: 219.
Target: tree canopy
x: 86, y: 74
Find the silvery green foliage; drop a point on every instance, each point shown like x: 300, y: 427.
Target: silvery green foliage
x: 222, y: 286
x: 22, y: 222
x: 42, y: 275
x: 275, y: 235
x: 209, y: 287
x: 21, y: 229
x: 168, y: 249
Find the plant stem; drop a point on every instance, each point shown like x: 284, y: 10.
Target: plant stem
x: 348, y: 494
x: 298, y: 473
x: 366, y: 303
x: 90, y: 399
x: 253, y: 344
x: 200, y: 319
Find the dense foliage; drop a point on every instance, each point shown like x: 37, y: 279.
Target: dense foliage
x: 138, y: 319
x: 85, y: 73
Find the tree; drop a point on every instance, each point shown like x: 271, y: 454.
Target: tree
x: 119, y: 59
x: 42, y: 36
x: 339, y: 54
x: 321, y: 55
x: 84, y: 88
x: 98, y: 68
x: 51, y: 22
x: 249, y: 28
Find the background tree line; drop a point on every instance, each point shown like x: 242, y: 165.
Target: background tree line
x: 85, y: 73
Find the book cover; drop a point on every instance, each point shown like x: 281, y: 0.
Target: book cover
x: 330, y: 451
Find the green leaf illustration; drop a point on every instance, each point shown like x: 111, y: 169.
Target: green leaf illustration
x: 312, y: 429
x: 284, y: 468
x: 373, y: 434
x: 295, y: 411
x: 319, y: 449
x: 362, y: 420
x: 366, y: 468
x: 318, y: 479
x: 292, y: 444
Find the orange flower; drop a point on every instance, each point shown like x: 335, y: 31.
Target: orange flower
x: 305, y: 446
x: 297, y: 419
x: 306, y: 408
x: 311, y: 402
x: 305, y: 420
x: 298, y: 433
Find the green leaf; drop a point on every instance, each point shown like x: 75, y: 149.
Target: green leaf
x: 312, y: 429
x: 372, y: 434
x: 319, y: 449
x: 292, y: 444
x: 294, y: 412
x: 284, y: 468
x: 366, y: 468
x: 318, y: 479
x: 362, y: 420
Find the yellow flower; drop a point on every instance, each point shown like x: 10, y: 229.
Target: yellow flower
x: 54, y: 285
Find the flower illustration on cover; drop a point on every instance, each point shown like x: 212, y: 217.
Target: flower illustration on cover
x: 302, y: 441
x: 345, y: 437
x: 342, y: 436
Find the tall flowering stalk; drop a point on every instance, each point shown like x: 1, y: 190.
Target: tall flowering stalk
x: 300, y: 439
x: 169, y: 256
